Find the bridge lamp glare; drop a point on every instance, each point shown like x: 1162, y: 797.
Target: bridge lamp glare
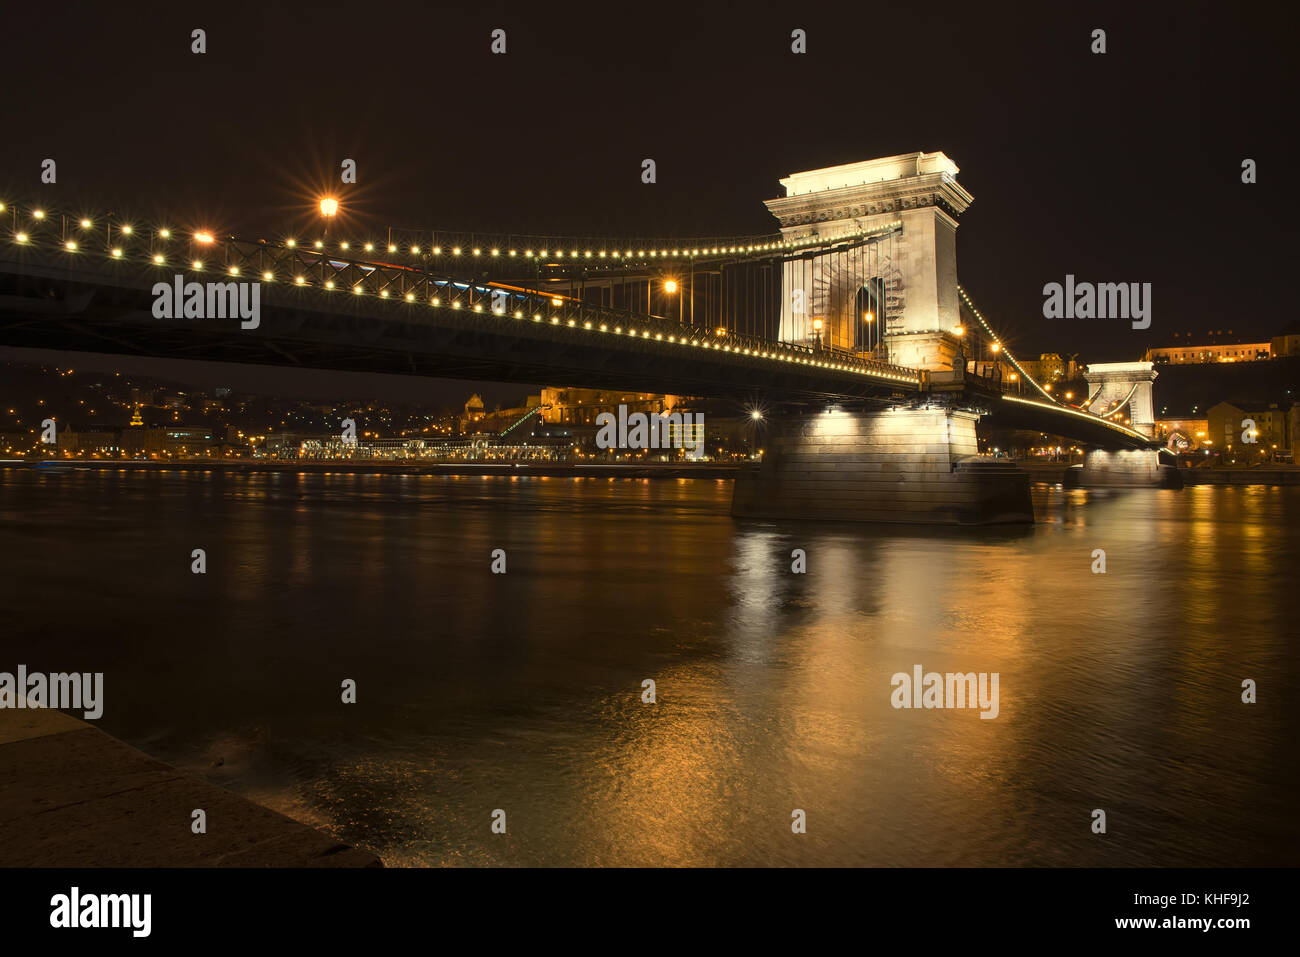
x: 38, y: 214
x: 85, y: 224
x: 415, y: 250
x: 158, y: 259
x: 959, y: 330
x: 555, y: 302
x: 318, y: 244
x: 21, y: 237
x: 996, y: 347
x: 126, y: 230
x: 117, y: 254
x: 203, y: 237
x: 370, y: 247
x: 165, y: 233
x: 71, y: 246
x: 329, y: 283
x: 198, y: 265
x: 817, y: 325
x: 670, y: 286
x: 299, y: 280
x: 329, y: 206
x: 267, y: 277
x: 392, y: 247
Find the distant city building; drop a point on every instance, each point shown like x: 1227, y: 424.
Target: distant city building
x: 1050, y: 367
x: 1227, y: 422
x: 1222, y: 346
x: 581, y: 406
x: 1288, y: 342
x: 473, y: 413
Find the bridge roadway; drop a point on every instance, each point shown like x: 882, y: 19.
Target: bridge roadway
x: 323, y: 312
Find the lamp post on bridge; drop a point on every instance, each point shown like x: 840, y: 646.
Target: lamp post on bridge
x: 329, y: 207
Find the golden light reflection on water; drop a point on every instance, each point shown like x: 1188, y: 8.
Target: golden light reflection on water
x: 523, y: 691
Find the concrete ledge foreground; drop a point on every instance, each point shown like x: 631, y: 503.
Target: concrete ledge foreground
x: 74, y: 796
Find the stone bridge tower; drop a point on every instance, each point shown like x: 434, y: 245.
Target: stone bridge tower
x: 911, y: 272
x: 1123, y: 387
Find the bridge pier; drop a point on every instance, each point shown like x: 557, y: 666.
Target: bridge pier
x: 1124, y: 468
x: 911, y: 465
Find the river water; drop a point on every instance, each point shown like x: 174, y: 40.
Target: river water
x: 523, y: 691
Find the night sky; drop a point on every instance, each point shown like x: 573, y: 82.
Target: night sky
x: 1117, y: 167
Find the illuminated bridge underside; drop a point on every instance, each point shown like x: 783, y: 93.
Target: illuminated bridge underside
x: 46, y: 306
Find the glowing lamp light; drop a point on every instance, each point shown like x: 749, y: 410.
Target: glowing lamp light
x: 670, y: 286
x: 85, y: 224
x: 329, y: 206
x: 203, y: 237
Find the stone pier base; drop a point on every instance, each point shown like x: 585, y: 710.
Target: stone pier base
x: 1126, y: 468
x: 917, y: 466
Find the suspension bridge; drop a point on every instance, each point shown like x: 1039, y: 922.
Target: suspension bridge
x: 851, y: 313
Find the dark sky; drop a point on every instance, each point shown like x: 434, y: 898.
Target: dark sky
x: 1117, y: 167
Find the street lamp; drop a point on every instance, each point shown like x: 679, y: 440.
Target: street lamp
x: 817, y: 332
x: 329, y: 207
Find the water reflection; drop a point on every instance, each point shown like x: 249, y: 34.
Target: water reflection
x: 523, y: 691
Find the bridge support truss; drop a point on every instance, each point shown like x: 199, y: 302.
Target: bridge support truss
x: 907, y: 465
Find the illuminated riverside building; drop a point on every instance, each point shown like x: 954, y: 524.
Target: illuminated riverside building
x: 1215, y: 347
x: 1275, y: 429
x: 165, y: 441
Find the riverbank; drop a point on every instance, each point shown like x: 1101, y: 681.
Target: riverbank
x: 539, y: 469
x: 1053, y: 473
x: 74, y: 796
